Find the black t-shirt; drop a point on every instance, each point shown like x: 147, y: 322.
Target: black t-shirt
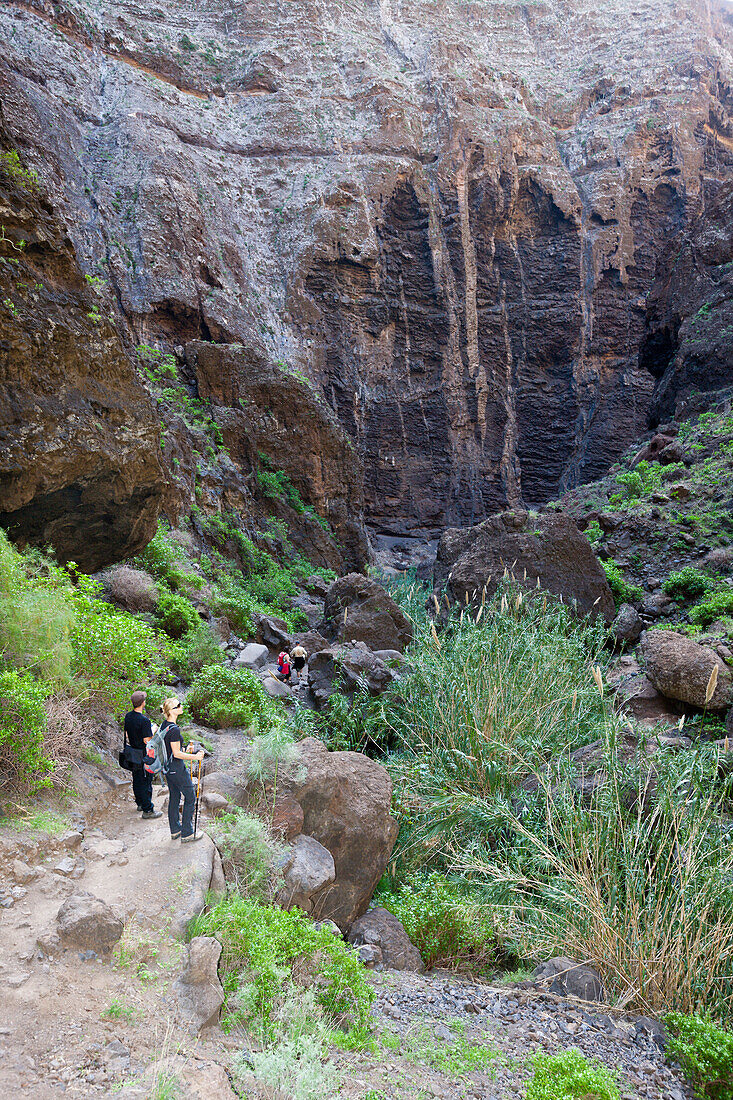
x: 172, y: 734
x: 137, y: 727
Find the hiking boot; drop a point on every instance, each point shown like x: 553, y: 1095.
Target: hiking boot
x: 175, y: 836
x: 190, y: 839
x: 148, y: 815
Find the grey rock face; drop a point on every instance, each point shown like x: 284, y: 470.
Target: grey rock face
x: 88, y: 923
x: 380, y: 928
x: 198, y: 991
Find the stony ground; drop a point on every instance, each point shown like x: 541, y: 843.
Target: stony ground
x: 73, y: 1024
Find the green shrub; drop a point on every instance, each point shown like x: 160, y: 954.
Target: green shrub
x: 23, y: 763
x: 222, y: 697
x: 705, y: 1053
x: 237, y: 605
x: 357, y: 726
x: 632, y: 483
x: 196, y: 650
x: 163, y: 559
x: 113, y: 652
x: 14, y: 169
x: 176, y: 614
x: 570, y: 1076
x: 36, y: 615
x: 260, y: 947
x: 594, y: 533
x: 716, y: 606
x: 448, y: 925
x: 623, y: 592
x: 687, y: 583
x: 248, y: 852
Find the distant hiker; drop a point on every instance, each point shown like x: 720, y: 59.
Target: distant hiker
x: 300, y: 656
x: 179, y: 780
x: 138, y: 731
x: 283, y: 666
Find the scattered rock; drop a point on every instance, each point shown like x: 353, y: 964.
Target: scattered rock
x: 65, y: 866
x: 680, y: 668
x: 22, y: 873
x: 370, y: 955
x: 71, y: 839
x: 638, y: 697
x: 253, y: 655
x: 308, y: 869
x: 277, y: 689
x: 87, y: 922
x: 356, y: 608
x: 198, y: 991
x: 272, y: 632
x: 345, y: 668
x: 316, y: 586
x: 549, y: 547
x: 570, y: 979
x: 381, y: 928
x: 627, y: 626
x: 214, y: 802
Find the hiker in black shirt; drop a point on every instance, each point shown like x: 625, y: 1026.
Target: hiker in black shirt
x: 139, y: 731
x: 178, y: 778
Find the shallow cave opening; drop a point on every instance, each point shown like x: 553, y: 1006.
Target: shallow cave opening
x: 656, y: 352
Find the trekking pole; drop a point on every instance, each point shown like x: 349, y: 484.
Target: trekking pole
x: 199, y: 786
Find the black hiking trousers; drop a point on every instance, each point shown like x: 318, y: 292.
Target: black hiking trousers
x: 180, y: 786
x: 142, y: 788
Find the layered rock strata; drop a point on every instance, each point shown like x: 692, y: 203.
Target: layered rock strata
x: 448, y: 216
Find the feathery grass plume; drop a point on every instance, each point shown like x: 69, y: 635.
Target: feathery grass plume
x: 460, y: 618
x: 480, y: 612
x: 346, y: 612
x: 681, y: 723
x: 436, y: 639
x: 437, y: 605
x: 538, y: 582
x: 598, y: 677
x: 466, y: 597
x: 712, y: 684
x: 447, y: 601
x: 574, y: 701
x: 503, y: 605
x: 518, y: 603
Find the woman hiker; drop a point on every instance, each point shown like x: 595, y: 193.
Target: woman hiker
x: 179, y: 781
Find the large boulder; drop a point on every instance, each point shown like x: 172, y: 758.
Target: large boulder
x: 680, y: 668
x: 569, y: 978
x: 86, y: 922
x: 548, y: 547
x: 346, y: 800
x: 198, y: 992
x: 627, y: 626
x: 380, y: 928
x: 307, y: 869
x: 345, y: 668
x: 357, y: 609
x: 254, y: 655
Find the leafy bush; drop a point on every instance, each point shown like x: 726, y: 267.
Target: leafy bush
x: 228, y: 697
x: 447, y: 923
x: 36, y: 615
x: 631, y: 481
x: 265, y: 949
x: 163, y: 559
x: 623, y: 592
x: 194, y: 652
x: 248, y: 853
x: 176, y: 614
x: 237, y: 605
x: 687, y: 583
x: 705, y: 1053
x: 113, y: 653
x: 570, y: 1076
x: 23, y: 762
x: 594, y: 533
x: 716, y: 606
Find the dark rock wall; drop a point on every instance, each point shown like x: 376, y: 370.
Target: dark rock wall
x: 447, y: 216
x: 80, y: 461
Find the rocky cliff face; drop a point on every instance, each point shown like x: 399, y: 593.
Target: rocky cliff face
x: 80, y: 461
x: 447, y: 215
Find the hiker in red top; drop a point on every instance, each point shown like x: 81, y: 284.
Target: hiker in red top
x: 283, y: 667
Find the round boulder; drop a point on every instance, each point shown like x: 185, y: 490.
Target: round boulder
x: 357, y: 609
x: 86, y: 922
x: 569, y: 978
x: 680, y: 668
x: 380, y: 928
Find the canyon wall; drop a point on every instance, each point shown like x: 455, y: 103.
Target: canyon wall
x: 447, y: 215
